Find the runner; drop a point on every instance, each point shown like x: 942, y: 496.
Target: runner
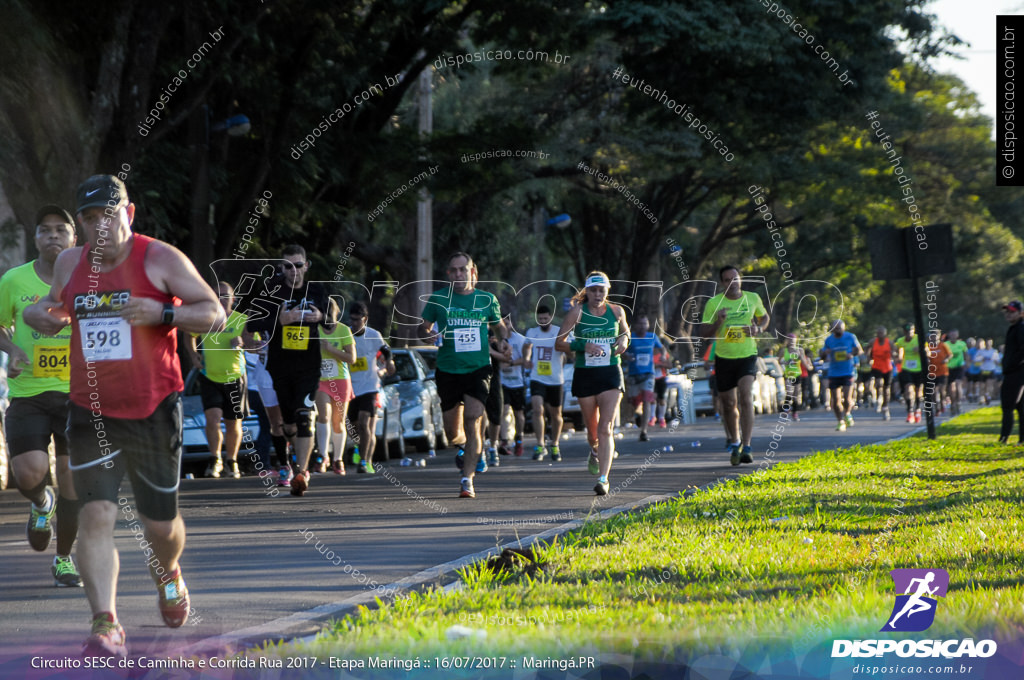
x: 544, y: 362
x: 734, y: 318
x: 973, y: 368
x: 956, y: 369
x: 1011, y: 393
x: 601, y: 335
x: 513, y: 389
x: 338, y: 350
x: 37, y: 377
x: 938, y: 373
x: 222, y: 384
x: 841, y: 350
x: 463, y: 316
x: 366, y: 384
x: 795, y: 363
x: 911, y: 378
x: 263, y: 401
x: 881, y: 351
x: 640, y: 379
x: 119, y: 293
x: 990, y: 359
x: 662, y: 362
x: 293, y: 357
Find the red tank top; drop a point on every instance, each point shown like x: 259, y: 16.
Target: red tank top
x: 131, y: 369
x: 881, y: 356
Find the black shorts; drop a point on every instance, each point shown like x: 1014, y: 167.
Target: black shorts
x: 364, y: 403
x: 515, y: 397
x: 232, y: 398
x: 31, y: 422
x: 454, y: 387
x: 941, y: 379
x: 988, y: 375
x: 552, y: 394
x: 729, y: 371
x: 148, y: 449
x: 956, y: 373
x: 885, y: 376
x: 495, y: 404
x: 592, y: 381
x: 837, y: 381
x: 863, y: 376
x: 974, y: 377
x: 660, y: 387
x: 911, y: 377
x: 295, y: 393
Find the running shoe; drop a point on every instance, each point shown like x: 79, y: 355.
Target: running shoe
x: 593, y: 464
x: 338, y: 467
x: 215, y: 468
x: 492, y: 457
x: 40, y: 524
x: 65, y: 573
x: 885, y: 414
x: 355, y: 456
x: 910, y: 416
x: 662, y: 423
x: 518, y: 450
x: 299, y: 484
x: 234, y: 471
x: 917, y: 416
x: 460, y: 458
x: 556, y: 455
x: 481, y: 464
x: 745, y: 456
x: 284, y: 476
x: 841, y: 427
x: 466, y: 488
x: 734, y: 454
x: 173, y: 597
x: 652, y: 421
x: 644, y: 437
x: 539, y: 452
x: 367, y: 467
x: 601, y: 488
x: 796, y: 417
x: 503, y: 449
x: 106, y: 639
x: 849, y: 420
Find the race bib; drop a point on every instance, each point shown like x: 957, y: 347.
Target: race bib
x: 543, y: 368
x: 910, y: 364
x: 734, y: 334
x: 295, y: 337
x: 105, y: 338
x: 51, y: 362
x: 840, y: 355
x: 643, y: 360
x: 360, y: 365
x: 328, y: 369
x: 602, y: 359
x: 467, y: 339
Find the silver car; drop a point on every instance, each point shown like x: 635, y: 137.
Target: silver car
x: 422, y: 419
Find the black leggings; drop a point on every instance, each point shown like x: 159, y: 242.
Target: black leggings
x: 1011, y: 397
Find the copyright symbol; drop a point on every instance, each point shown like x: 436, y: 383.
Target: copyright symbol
x: 1008, y: 171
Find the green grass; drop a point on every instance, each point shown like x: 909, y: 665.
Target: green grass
x: 720, y: 567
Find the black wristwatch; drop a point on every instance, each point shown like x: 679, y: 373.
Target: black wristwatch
x: 168, y: 318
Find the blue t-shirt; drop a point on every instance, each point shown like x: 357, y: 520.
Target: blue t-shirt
x: 973, y: 365
x: 841, y: 361
x: 642, y: 350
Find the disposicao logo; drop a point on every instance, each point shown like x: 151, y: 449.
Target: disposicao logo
x: 914, y: 611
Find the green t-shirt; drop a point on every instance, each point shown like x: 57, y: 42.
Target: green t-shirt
x: 462, y: 321
x: 222, y: 362
x: 600, y: 330
x: 790, y: 364
x: 732, y: 341
x: 339, y: 338
x: 49, y: 372
x: 911, y: 354
x: 959, y: 350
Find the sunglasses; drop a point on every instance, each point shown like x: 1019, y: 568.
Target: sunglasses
x: 289, y: 265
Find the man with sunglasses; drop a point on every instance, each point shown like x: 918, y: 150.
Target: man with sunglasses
x: 293, y: 356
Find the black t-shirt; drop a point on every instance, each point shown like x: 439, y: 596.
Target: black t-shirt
x: 294, y: 349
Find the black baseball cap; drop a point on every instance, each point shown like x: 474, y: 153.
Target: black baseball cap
x: 101, y: 191
x: 1014, y: 305
x: 54, y: 209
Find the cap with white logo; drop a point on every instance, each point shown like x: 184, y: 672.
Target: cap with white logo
x: 101, y: 191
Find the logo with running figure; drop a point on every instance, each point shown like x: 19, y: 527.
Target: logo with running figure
x: 914, y: 610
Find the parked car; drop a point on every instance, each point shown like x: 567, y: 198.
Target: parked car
x: 429, y: 355
x: 765, y: 396
x: 422, y: 420
x: 774, y: 371
x: 570, y: 405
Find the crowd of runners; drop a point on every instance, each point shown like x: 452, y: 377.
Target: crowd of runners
x: 92, y: 334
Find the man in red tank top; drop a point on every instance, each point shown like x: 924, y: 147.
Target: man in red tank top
x: 124, y: 295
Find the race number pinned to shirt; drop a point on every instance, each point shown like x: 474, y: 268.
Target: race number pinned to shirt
x: 360, y: 364
x: 295, y: 338
x: 51, y: 362
x: 840, y: 355
x: 543, y: 368
x: 466, y: 339
x: 328, y: 369
x: 602, y: 359
x: 104, y: 335
x: 911, y: 364
x: 643, y: 360
x: 734, y: 334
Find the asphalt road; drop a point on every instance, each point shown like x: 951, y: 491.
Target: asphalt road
x: 252, y: 561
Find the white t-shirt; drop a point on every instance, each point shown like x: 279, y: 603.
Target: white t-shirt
x: 989, y: 359
x: 547, y: 361
x: 364, y: 371
x: 512, y: 376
